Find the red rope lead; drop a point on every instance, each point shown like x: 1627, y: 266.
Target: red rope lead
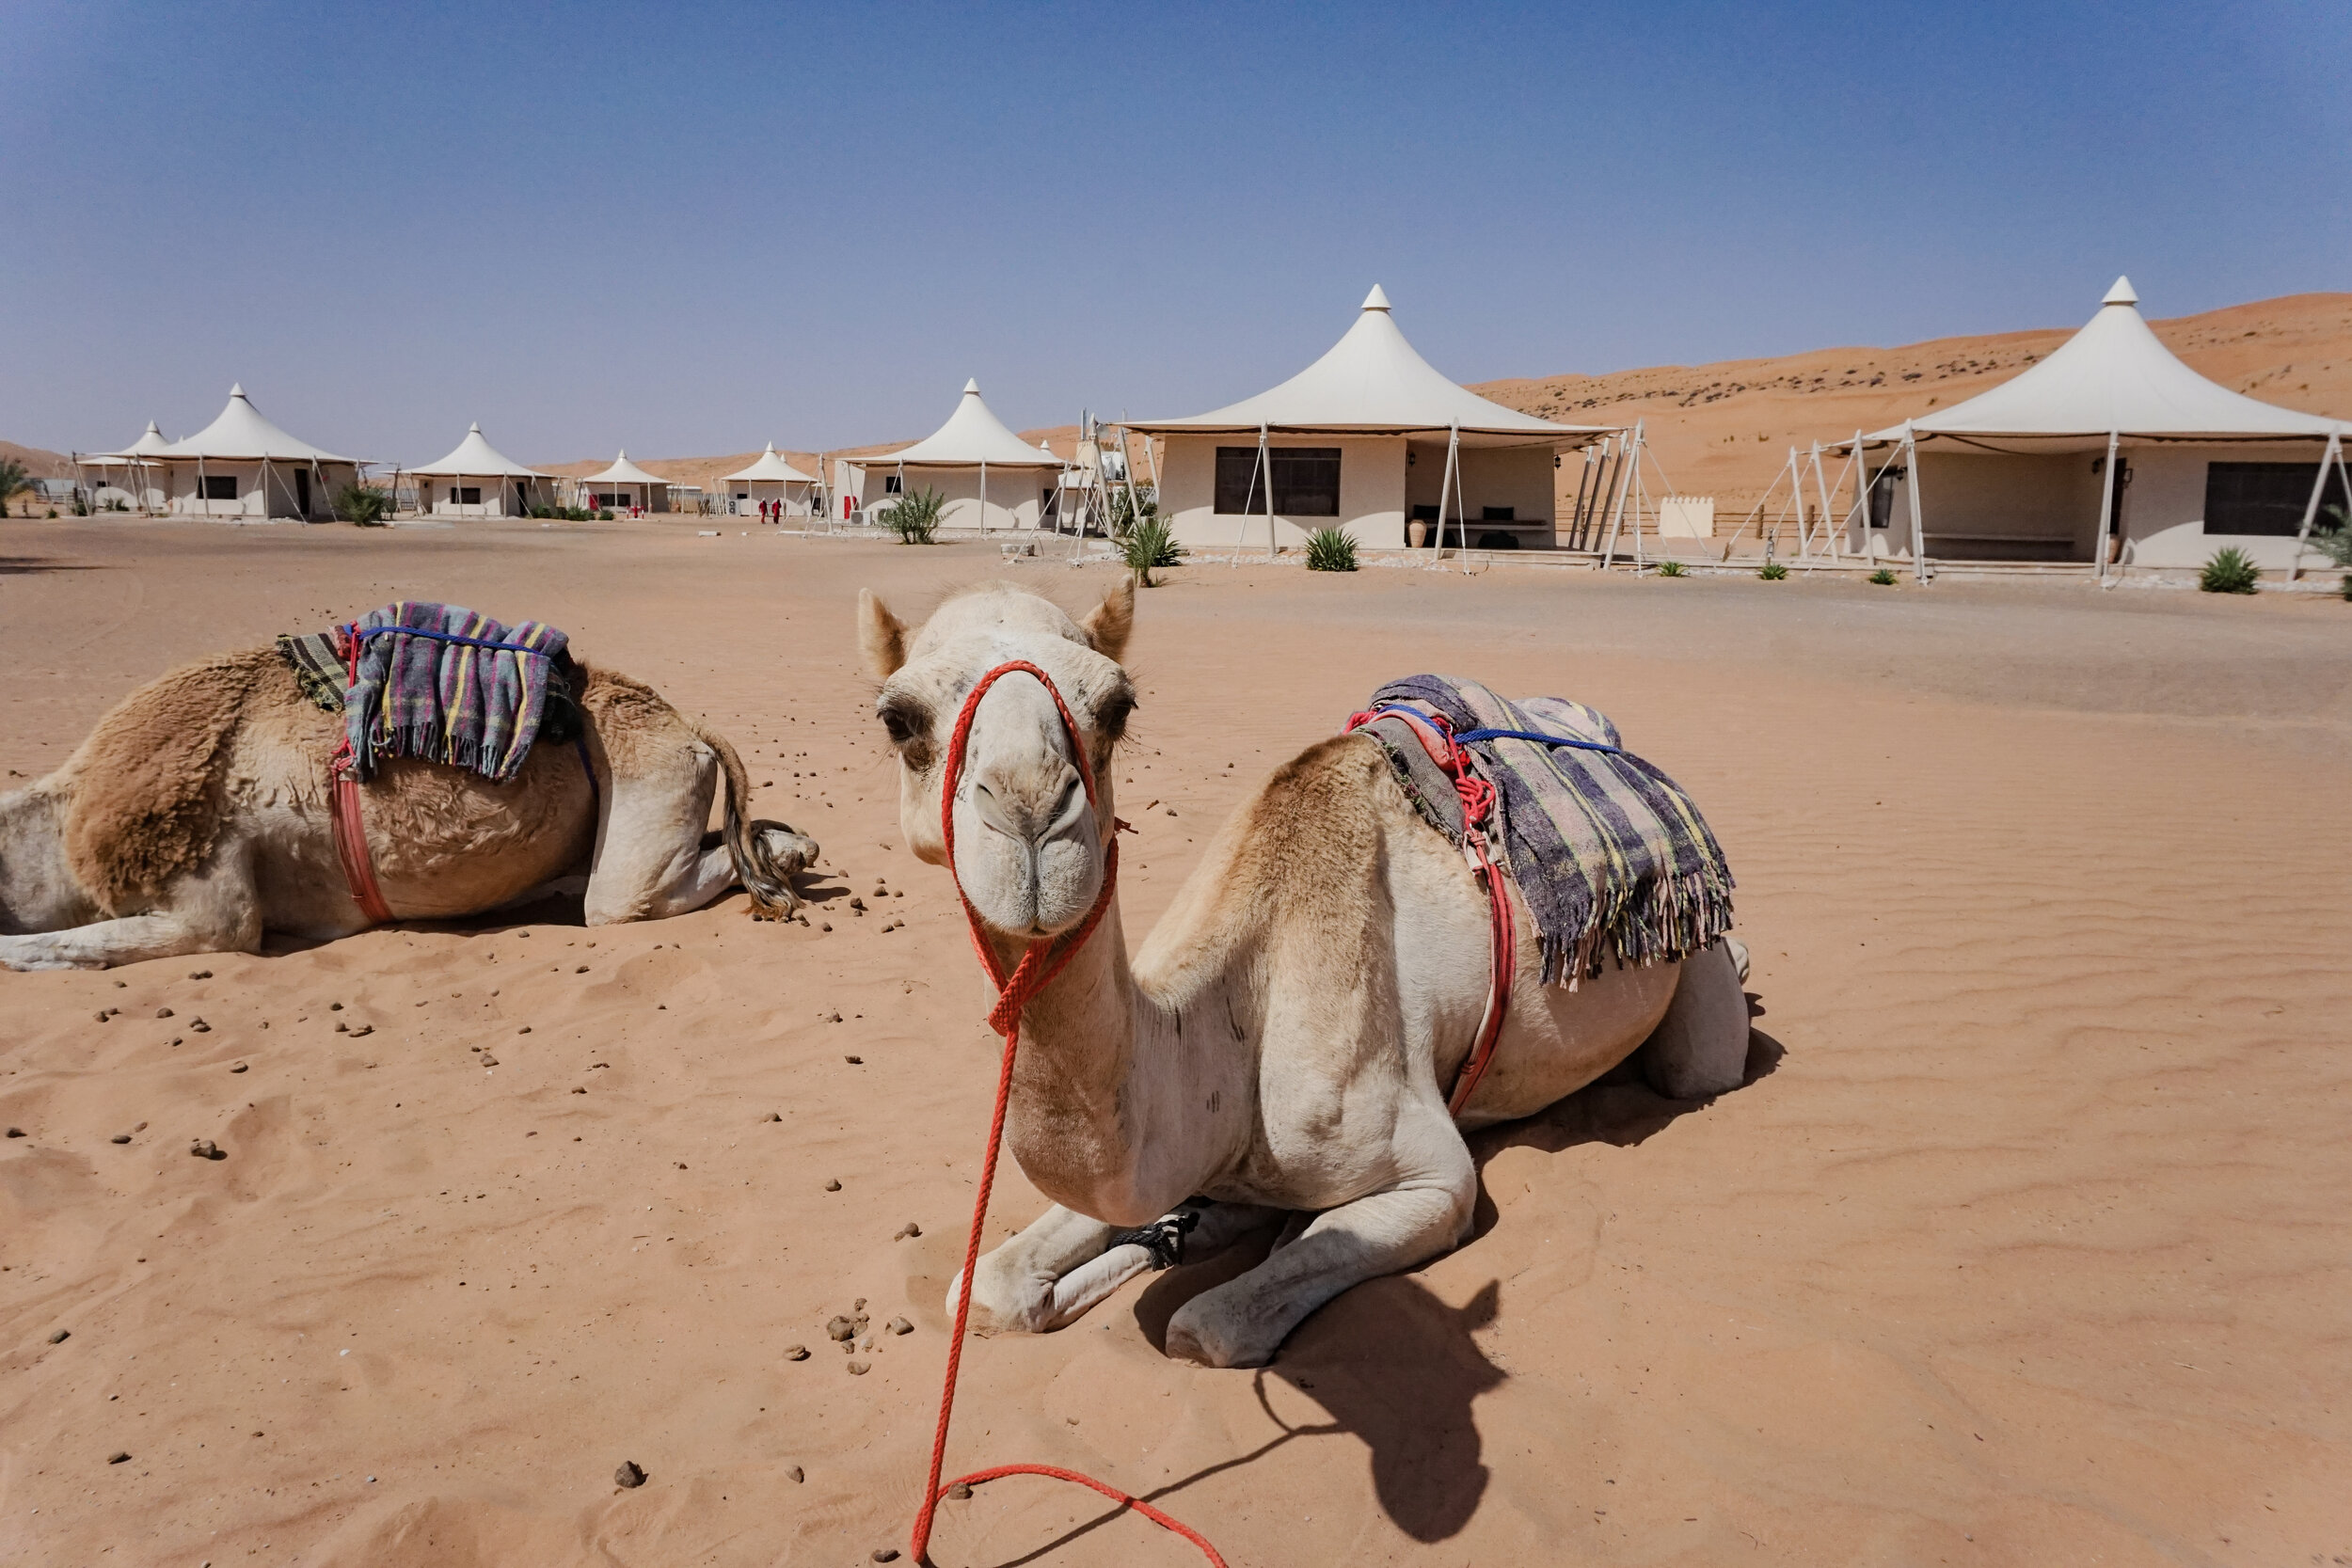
x: 1036, y: 971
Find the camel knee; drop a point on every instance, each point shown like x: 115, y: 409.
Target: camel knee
x: 1700, y: 1047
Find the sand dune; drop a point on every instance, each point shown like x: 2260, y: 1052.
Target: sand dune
x: 2025, y: 1244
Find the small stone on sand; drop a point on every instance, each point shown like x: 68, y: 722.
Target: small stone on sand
x: 628, y: 1473
x: 899, y: 1326
x: 16, y: 1132
x: 200, y: 1026
x: 854, y: 1061
x: 795, y: 1352
x: 840, y: 1328
x: 199, y: 974
x: 909, y: 1228
x: 61, y: 1337
x: 120, y: 1139
x: 795, y: 1472
x: 119, y: 1457
x: 833, y: 1186
x: 858, y: 1368
x: 237, y: 1068
x: 961, y: 1492
x: 163, y: 1012
x: 524, y: 1030
x: 204, y: 1148
x: 885, y: 1554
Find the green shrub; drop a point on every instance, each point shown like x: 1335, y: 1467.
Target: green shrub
x: 1773, y: 571
x: 366, y: 506
x: 2230, y: 571
x: 1126, y: 510
x: 1330, y: 549
x: 1671, y: 569
x: 915, y: 517
x: 14, y: 476
x: 1883, y: 578
x: 604, y: 513
x: 1147, y: 544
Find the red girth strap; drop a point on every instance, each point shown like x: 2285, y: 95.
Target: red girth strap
x: 1478, y: 799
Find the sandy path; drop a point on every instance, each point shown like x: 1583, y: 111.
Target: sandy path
x: 2027, y: 1243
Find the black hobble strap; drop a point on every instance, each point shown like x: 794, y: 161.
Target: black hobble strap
x: 1163, y: 1238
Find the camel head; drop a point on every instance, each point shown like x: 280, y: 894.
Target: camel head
x: 1028, y: 846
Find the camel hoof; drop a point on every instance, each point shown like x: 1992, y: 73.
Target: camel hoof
x: 1738, y: 951
x: 1191, y: 1338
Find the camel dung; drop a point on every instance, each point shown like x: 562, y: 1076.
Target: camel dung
x: 200, y: 1026
x: 795, y: 1352
x: 859, y: 1369
x: 334, y: 1006
x: 61, y: 1337
x: 795, y: 1472
x: 16, y: 1132
x: 899, y: 1326
x: 364, y: 1030
x: 199, y: 974
x: 120, y: 1139
x: 163, y: 1012
x: 237, y: 1068
x: 885, y: 1554
x: 960, y: 1491
x: 524, y: 1030
x: 833, y: 1187
x: 840, y: 1328
x: 630, y: 1474
x: 909, y: 1228
x: 204, y: 1148
x: 854, y: 1061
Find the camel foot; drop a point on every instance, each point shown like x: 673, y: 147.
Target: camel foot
x: 1700, y: 1047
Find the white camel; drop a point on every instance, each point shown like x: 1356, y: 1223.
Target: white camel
x: 1284, y: 1042
x: 197, y: 817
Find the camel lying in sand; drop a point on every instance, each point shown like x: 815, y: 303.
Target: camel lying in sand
x: 196, y: 817
x: 1284, y: 1040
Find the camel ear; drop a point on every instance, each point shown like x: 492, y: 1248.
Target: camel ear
x: 881, y: 634
x: 1108, y: 624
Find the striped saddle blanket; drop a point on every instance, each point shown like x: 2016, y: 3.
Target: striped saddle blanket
x: 441, y: 683
x: 1613, y: 859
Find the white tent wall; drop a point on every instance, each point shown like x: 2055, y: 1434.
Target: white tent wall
x: 622, y: 494
x: 1372, y: 492
x: 2044, y: 506
x: 483, y: 495
x: 186, y: 483
x: 743, y: 496
x: 1015, y: 495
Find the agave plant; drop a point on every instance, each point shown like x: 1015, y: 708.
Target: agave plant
x: 1671, y: 569
x: 1773, y: 571
x: 2230, y: 571
x: 13, y: 476
x: 1148, y: 544
x: 915, y: 517
x: 1330, y: 549
x: 1883, y: 578
x: 367, y: 505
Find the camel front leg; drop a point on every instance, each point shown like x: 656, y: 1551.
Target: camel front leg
x: 211, y: 912
x: 1063, y: 1265
x: 1245, y: 1321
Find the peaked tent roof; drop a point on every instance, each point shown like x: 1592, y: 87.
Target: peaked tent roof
x: 1373, y: 381
x: 241, y: 433
x: 972, y: 436
x: 150, y: 444
x: 2114, y: 375
x: 769, y: 465
x: 476, y: 457
x: 625, y: 472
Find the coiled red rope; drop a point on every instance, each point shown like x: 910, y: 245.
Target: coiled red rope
x: 1037, y: 969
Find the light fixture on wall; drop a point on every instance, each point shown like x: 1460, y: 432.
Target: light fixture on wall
x: 1409, y: 458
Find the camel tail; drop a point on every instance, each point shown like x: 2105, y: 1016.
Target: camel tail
x: 766, y: 875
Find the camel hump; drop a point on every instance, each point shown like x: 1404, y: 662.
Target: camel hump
x: 148, y: 795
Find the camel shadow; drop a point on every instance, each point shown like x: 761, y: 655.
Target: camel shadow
x: 26, y: 565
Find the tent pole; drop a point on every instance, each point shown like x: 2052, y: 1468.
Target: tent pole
x: 1631, y: 454
x: 1821, y: 488
x: 983, y: 494
x: 2106, y: 507
x: 1612, y: 461
x: 1266, y: 460
x: 1576, y: 517
x: 1918, y: 529
x: 2311, y: 507
x: 1127, y: 467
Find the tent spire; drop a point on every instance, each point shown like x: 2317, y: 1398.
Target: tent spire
x: 2122, y: 293
x: 236, y: 390
x: 1376, y: 300
x: 972, y: 387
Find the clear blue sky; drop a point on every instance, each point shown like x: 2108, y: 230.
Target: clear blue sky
x: 691, y: 229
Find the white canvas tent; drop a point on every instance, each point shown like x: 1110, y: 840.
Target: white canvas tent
x: 625, y: 486
x: 959, y: 460
x: 241, y: 466
x: 769, y: 478
x: 1370, y: 436
x: 2110, y: 452
x: 130, y: 477
x: 499, y: 487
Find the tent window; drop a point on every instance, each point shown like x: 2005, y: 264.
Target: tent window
x: 1306, y: 481
x: 1882, y: 496
x: 2266, y: 497
x: 469, y: 495
x: 220, y: 487
x: 893, y: 485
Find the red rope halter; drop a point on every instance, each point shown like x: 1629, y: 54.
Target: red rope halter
x: 1038, y: 965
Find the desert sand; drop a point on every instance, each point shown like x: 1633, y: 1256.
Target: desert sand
x: 2025, y: 1241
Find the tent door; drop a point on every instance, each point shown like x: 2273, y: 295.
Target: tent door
x: 2118, y: 480
x: 302, y: 491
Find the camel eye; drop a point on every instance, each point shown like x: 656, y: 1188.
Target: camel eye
x: 905, y: 721
x: 1110, y: 719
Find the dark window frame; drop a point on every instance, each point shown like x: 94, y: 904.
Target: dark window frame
x: 2266, y: 500
x: 1305, y: 482
x: 219, y: 488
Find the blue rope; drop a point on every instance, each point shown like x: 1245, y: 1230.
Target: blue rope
x: 1469, y: 735
x: 365, y: 632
